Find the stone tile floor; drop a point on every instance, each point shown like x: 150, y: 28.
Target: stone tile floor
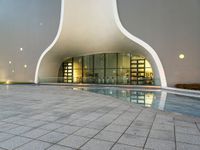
x: 59, y: 118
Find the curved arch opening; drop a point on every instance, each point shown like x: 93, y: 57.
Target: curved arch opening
x: 112, y: 37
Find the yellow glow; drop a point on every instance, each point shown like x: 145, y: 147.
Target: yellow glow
x: 181, y: 56
x: 8, y: 82
x: 77, y: 76
x: 149, y: 99
x: 147, y: 64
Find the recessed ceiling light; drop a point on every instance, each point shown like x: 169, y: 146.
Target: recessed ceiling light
x: 181, y: 56
x: 21, y: 49
x: 25, y: 66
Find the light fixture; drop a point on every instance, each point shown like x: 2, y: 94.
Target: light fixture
x: 10, y: 62
x: 8, y: 82
x: 25, y: 66
x: 181, y: 56
x: 21, y: 49
x: 13, y: 71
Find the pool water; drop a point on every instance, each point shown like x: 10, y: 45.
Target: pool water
x: 156, y: 99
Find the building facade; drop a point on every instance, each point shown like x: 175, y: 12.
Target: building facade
x: 103, y: 42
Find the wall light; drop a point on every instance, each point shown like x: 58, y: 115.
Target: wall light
x: 8, y: 82
x: 10, y: 62
x: 181, y: 56
x: 25, y: 66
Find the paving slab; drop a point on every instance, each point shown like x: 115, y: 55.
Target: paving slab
x: 73, y: 141
x: 35, y: 145
x: 87, y: 132
x: 14, y: 142
x: 157, y: 144
x: 53, y: 137
x: 58, y: 147
x: 133, y: 140
x: 125, y: 147
x: 108, y: 136
x: 95, y: 144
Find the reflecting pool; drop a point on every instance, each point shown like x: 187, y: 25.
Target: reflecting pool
x: 156, y: 99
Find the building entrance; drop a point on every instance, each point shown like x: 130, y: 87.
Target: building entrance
x: 107, y: 68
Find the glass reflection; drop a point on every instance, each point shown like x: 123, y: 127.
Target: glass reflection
x: 156, y: 99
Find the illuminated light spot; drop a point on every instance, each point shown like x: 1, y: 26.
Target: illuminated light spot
x: 181, y: 56
x: 8, y: 82
x: 21, y: 49
x: 25, y: 66
x: 10, y: 62
x: 13, y: 71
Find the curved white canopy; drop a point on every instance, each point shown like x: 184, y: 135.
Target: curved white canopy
x: 90, y: 27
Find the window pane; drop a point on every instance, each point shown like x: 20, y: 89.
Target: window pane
x: 88, y: 62
x: 77, y: 62
x: 124, y: 60
x: 77, y: 78
x: 99, y: 61
x: 111, y: 60
x: 99, y: 76
x: 111, y: 76
x: 88, y: 76
x: 123, y: 76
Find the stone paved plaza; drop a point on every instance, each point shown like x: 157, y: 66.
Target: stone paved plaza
x: 59, y: 118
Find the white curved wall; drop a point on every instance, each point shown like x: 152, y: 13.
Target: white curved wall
x: 31, y: 25
x: 170, y: 27
x: 91, y: 27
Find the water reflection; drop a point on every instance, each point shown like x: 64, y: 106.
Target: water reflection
x: 144, y: 98
x: 156, y: 99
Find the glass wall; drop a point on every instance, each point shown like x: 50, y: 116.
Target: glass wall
x: 99, y: 68
x: 124, y: 68
x: 77, y: 70
x: 111, y: 68
x: 88, y: 69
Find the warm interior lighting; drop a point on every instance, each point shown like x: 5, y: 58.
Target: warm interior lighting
x: 21, y: 49
x: 181, y: 56
x: 10, y: 62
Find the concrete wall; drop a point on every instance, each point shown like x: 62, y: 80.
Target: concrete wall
x: 171, y: 27
x: 28, y: 24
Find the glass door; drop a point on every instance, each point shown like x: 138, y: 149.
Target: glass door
x: 68, y: 71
